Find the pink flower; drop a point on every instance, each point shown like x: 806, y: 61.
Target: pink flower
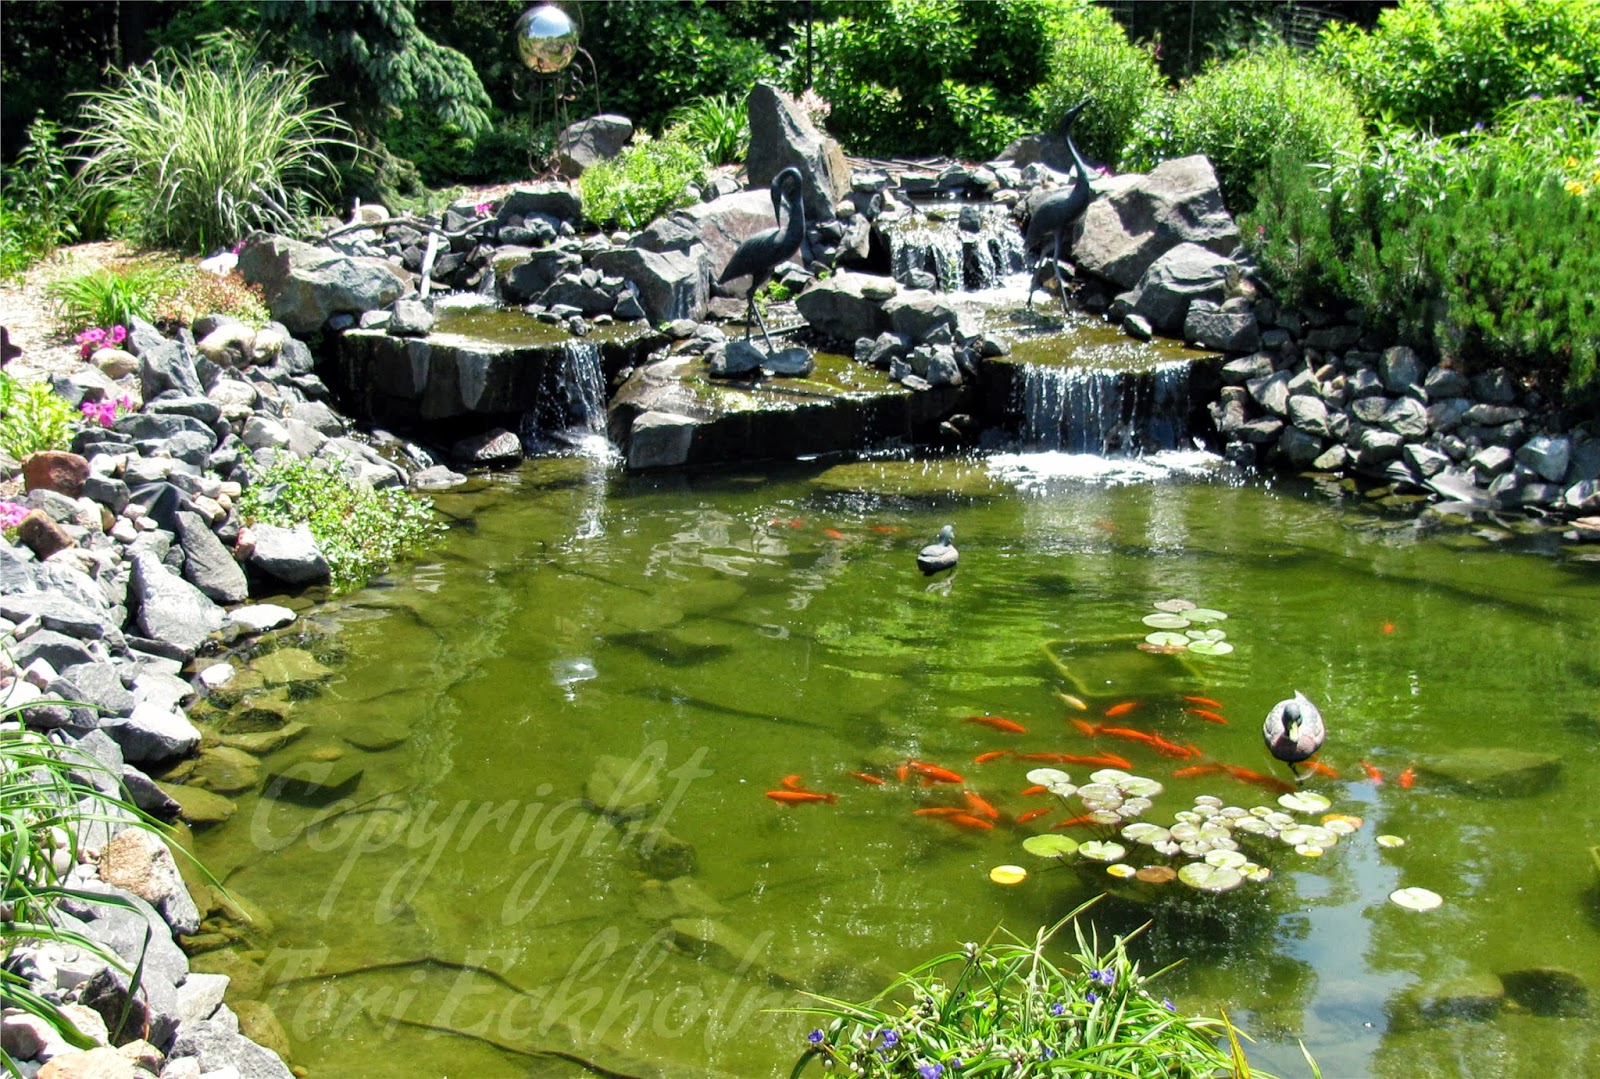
x: 11, y: 514
x: 118, y: 335
x: 102, y: 412
x: 481, y: 209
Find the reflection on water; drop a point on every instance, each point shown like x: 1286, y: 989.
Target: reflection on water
x: 548, y: 834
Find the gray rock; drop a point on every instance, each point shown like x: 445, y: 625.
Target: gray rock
x: 218, y: 1045
x: 498, y: 448
x: 436, y: 478
x: 150, y: 732
x: 319, y: 417
x: 262, y: 431
x: 669, y: 284
x: 1546, y: 455
x: 1310, y: 415
x: 1445, y: 414
x: 848, y: 305
x: 1186, y: 273
x: 589, y: 142
x: 410, y: 318
x: 738, y: 359
x: 200, y: 995
x: 793, y: 362
x: 1495, y: 387
x: 1272, y: 392
x: 168, y: 366
x: 1492, y: 415
x: 1300, y: 448
x: 304, y: 285
x: 150, y: 1013
x: 557, y: 200
x: 144, y: 793
x: 1400, y: 370
x: 918, y: 315
x: 171, y: 609
x: 1406, y: 417
x: 136, y: 860
x: 660, y: 439
x: 158, y: 427
x: 1333, y: 459
x: 781, y: 135
x: 1583, y: 496
x: 63, y: 614
x: 290, y: 555
x: 207, y: 564
x: 1445, y: 382
x: 1208, y: 326
x: 1491, y: 461
x: 56, y: 649
x: 1425, y: 462
x: 1362, y: 383
x: 1375, y: 447
x: 1261, y: 431
x: 99, y: 684
x: 1141, y: 218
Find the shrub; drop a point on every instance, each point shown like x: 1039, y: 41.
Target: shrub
x: 38, y: 197
x: 194, y: 292
x: 718, y: 125
x: 1445, y: 66
x: 111, y: 297
x: 1091, y: 56
x: 33, y: 417
x: 649, y: 177
x: 360, y: 529
x: 1238, y: 111
x: 1004, y: 1007
x: 207, y: 148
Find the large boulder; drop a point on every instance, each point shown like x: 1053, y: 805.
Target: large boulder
x: 1186, y: 273
x: 671, y: 284
x: 305, y: 284
x: 589, y: 142
x: 719, y: 227
x: 171, y: 609
x: 848, y: 305
x: 781, y: 135
x: 1141, y: 218
x: 290, y: 555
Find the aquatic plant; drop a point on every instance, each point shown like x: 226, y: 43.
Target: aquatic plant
x: 1174, y: 615
x: 1005, y: 1007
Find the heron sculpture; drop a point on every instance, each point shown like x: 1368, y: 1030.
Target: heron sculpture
x: 768, y: 249
x: 941, y: 554
x: 1057, y: 211
x: 1293, y: 731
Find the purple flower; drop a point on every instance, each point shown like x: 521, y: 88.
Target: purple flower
x: 815, y: 1037
x: 1046, y: 1053
x: 11, y: 514
x: 1091, y: 996
x: 1166, y: 1002
x: 890, y: 1037
x: 102, y: 412
x: 930, y: 1070
x: 117, y: 335
x: 1058, y: 1009
x: 1106, y: 977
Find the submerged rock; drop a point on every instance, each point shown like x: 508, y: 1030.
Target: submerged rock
x: 1497, y: 772
x: 1549, y: 991
x: 623, y: 787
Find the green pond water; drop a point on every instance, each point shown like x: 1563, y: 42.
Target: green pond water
x: 720, y: 632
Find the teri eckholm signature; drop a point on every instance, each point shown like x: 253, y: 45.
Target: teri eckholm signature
x: 547, y: 834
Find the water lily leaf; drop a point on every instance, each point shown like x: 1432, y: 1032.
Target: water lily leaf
x: 1049, y: 846
x: 1046, y: 776
x: 1210, y: 878
x: 1105, y: 816
x: 1252, y: 825
x: 1140, y: 786
x: 1416, y: 898
x: 1165, y: 846
x: 1308, y: 850
x: 1205, y: 634
x: 1345, y: 820
x: 1165, y: 621
x: 1304, y: 802
x: 1183, y: 832
x: 1102, y: 793
x: 1114, y: 776
x: 1121, y: 870
x: 1145, y: 832
x: 1167, y: 639
x: 1174, y: 605
x: 1338, y: 825
x: 1210, y: 648
x: 1102, y: 850
x: 1008, y: 874
x: 1227, y: 859
x: 1204, y: 614
x: 1157, y: 874
x: 1196, y: 848
x: 1391, y: 841
x: 1258, y: 874
x: 1208, y: 800
x: 1061, y: 790
x: 1134, y: 807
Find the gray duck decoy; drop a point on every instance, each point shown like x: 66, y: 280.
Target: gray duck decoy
x: 940, y: 554
x: 1293, y: 731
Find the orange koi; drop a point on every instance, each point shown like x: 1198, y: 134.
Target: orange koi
x: 1197, y: 770
x: 1318, y: 768
x: 1204, y: 702
x: 1408, y: 777
x: 1372, y: 773
x: 833, y: 533
x: 792, y: 783
x: 980, y: 806
x: 999, y: 723
x: 964, y: 820
x: 792, y: 798
x: 992, y: 755
x: 1029, y: 792
x: 1388, y: 627
x: 1033, y: 814
x: 902, y: 771
x: 865, y: 778
x: 887, y: 530
x: 1121, y: 709
x: 1053, y: 758
x: 1129, y: 734
x: 1073, y: 822
x: 798, y: 522
x: 1086, y: 727
x: 1070, y: 701
x: 1173, y: 749
x: 934, y: 772
x: 939, y: 811
x: 1104, y: 760
x: 1208, y: 715
x: 1245, y: 775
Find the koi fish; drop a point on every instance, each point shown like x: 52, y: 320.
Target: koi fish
x: 887, y: 530
x: 939, y: 811
x: 1033, y: 814
x: 1029, y: 792
x: 792, y: 783
x: 833, y: 533
x: 979, y: 806
x: 902, y: 771
x: 865, y: 778
x: 1207, y: 715
x: 971, y: 823
x: 1408, y: 777
x: 1372, y: 773
x: 1104, y: 760
x: 1173, y: 749
x: 1388, y: 627
x: 1121, y: 709
x: 793, y: 798
x: 1245, y: 775
x: 1085, y: 726
x: 992, y: 755
x: 1073, y: 822
x: 934, y: 772
x: 1070, y: 701
x: 999, y: 723
x: 1128, y: 734
x: 798, y: 522
x: 1195, y: 770
x: 1204, y: 702
x: 1318, y: 768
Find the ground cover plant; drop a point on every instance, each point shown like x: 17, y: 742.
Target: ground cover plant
x: 33, y: 417
x: 649, y: 177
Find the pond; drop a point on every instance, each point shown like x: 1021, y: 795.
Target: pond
x: 583, y: 630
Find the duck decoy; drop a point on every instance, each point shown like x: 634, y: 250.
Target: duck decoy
x: 1293, y: 731
x: 940, y: 554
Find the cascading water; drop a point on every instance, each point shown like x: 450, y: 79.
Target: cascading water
x: 1085, y: 410
x: 966, y: 250
x: 572, y: 403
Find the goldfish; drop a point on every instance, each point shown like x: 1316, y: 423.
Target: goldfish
x: 939, y: 811
x: 1173, y: 749
x: 964, y: 820
x: 833, y: 533
x: 1197, y: 770
x: 887, y: 530
x: 1121, y: 709
x: 999, y: 723
x: 980, y: 806
x: 1033, y: 814
x: 1070, y: 701
x: 1408, y: 777
x: 865, y: 778
x: 798, y: 522
x: 1245, y: 775
x: 790, y: 798
x: 1103, y: 760
x: 1372, y: 773
x: 992, y: 755
x: 934, y: 772
x: 1318, y: 768
x: 1128, y: 734
x: 902, y: 771
x: 1204, y: 702
x: 1388, y: 627
x: 1073, y: 822
x: 1086, y: 727
x: 1207, y: 714
x: 792, y: 783
x: 1029, y: 792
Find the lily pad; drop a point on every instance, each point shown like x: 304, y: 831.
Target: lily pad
x: 1121, y: 870
x: 1114, y: 776
x: 1304, y: 802
x: 1008, y: 874
x: 1308, y: 850
x: 1391, y: 841
x: 1210, y: 648
x: 1102, y: 851
x: 1416, y: 898
x: 1049, y: 846
x: 1205, y: 634
x: 1165, y: 621
x: 1204, y: 614
x: 1044, y: 777
x: 1100, y: 793
x: 1157, y: 874
x: 1173, y: 606
x: 1167, y: 639
x: 1140, y: 787
x: 1105, y: 817
x: 1210, y: 878
x: 1145, y: 832
x: 1227, y: 859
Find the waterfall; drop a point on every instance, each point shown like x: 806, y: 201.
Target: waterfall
x: 1103, y: 412
x: 972, y: 249
x: 572, y: 402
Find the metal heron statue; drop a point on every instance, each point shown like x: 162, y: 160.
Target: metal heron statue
x: 1293, y: 731
x: 1057, y: 211
x: 764, y: 252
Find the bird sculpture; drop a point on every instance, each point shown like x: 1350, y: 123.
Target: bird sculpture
x: 1293, y: 731
x: 764, y: 252
x: 1056, y: 212
x: 940, y: 554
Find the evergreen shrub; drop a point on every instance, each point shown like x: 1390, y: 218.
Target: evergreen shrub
x: 1091, y: 57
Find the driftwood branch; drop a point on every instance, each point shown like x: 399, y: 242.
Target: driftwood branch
x: 412, y: 222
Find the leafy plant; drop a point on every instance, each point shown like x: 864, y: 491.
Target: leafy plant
x: 194, y: 292
x: 359, y: 529
x: 1091, y: 56
x: 38, y: 199
x: 718, y: 125
x: 649, y: 177
x: 1005, y: 1008
x: 33, y: 417
x: 107, y: 296
x: 207, y: 147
